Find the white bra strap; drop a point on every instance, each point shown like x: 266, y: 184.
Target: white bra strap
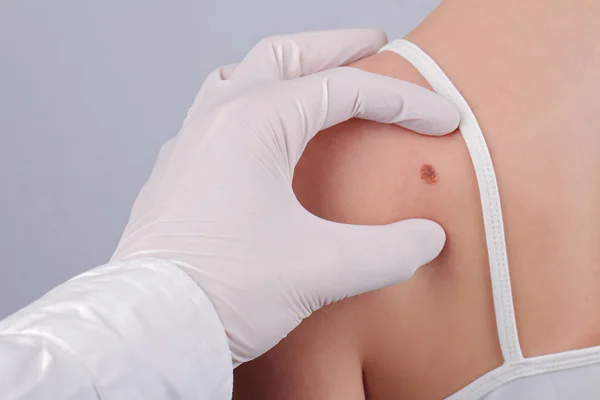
x: 488, y: 190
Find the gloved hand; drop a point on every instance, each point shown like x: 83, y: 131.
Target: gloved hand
x: 219, y: 203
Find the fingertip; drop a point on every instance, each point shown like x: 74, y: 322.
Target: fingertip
x: 448, y: 118
x: 380, y: 38
x: 385, y: 38
x: 429, y: 238
x: 227, y: 71
x: 439, y: 117
x: 364, y: 42
x: 375, y: 37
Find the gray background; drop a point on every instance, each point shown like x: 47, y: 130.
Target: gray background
x: 89, y: 90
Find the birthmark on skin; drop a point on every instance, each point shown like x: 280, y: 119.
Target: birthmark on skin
x: 428, y: 174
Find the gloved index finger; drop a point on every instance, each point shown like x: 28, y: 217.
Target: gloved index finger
x: 322, y: 100
x: 300, y: 54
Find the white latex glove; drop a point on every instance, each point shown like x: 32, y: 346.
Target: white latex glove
x: 219, y: 203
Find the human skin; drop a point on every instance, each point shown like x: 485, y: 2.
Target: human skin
x: 529, y: 71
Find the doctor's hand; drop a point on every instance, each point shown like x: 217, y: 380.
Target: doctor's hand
x: 219, y: 203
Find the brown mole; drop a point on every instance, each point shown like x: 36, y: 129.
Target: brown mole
x: 428, y: 174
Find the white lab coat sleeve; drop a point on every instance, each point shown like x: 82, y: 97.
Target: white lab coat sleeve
x: 127, y: 330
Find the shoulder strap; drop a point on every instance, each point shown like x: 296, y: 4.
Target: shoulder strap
x: 488, y: 191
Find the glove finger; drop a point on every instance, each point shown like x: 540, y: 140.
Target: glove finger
x: 351, y: 92
x: 218, y: 75
x: 313, y: 103
x: 373, y: 257
x: 228, y: 70
x: 292, y: 56
x: 212, y: 84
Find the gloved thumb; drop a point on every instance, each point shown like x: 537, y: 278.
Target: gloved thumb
x: 373, y: 257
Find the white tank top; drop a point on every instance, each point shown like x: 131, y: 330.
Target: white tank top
x: 570, y: 375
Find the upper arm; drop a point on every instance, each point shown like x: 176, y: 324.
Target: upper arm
x: 320, y: 359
